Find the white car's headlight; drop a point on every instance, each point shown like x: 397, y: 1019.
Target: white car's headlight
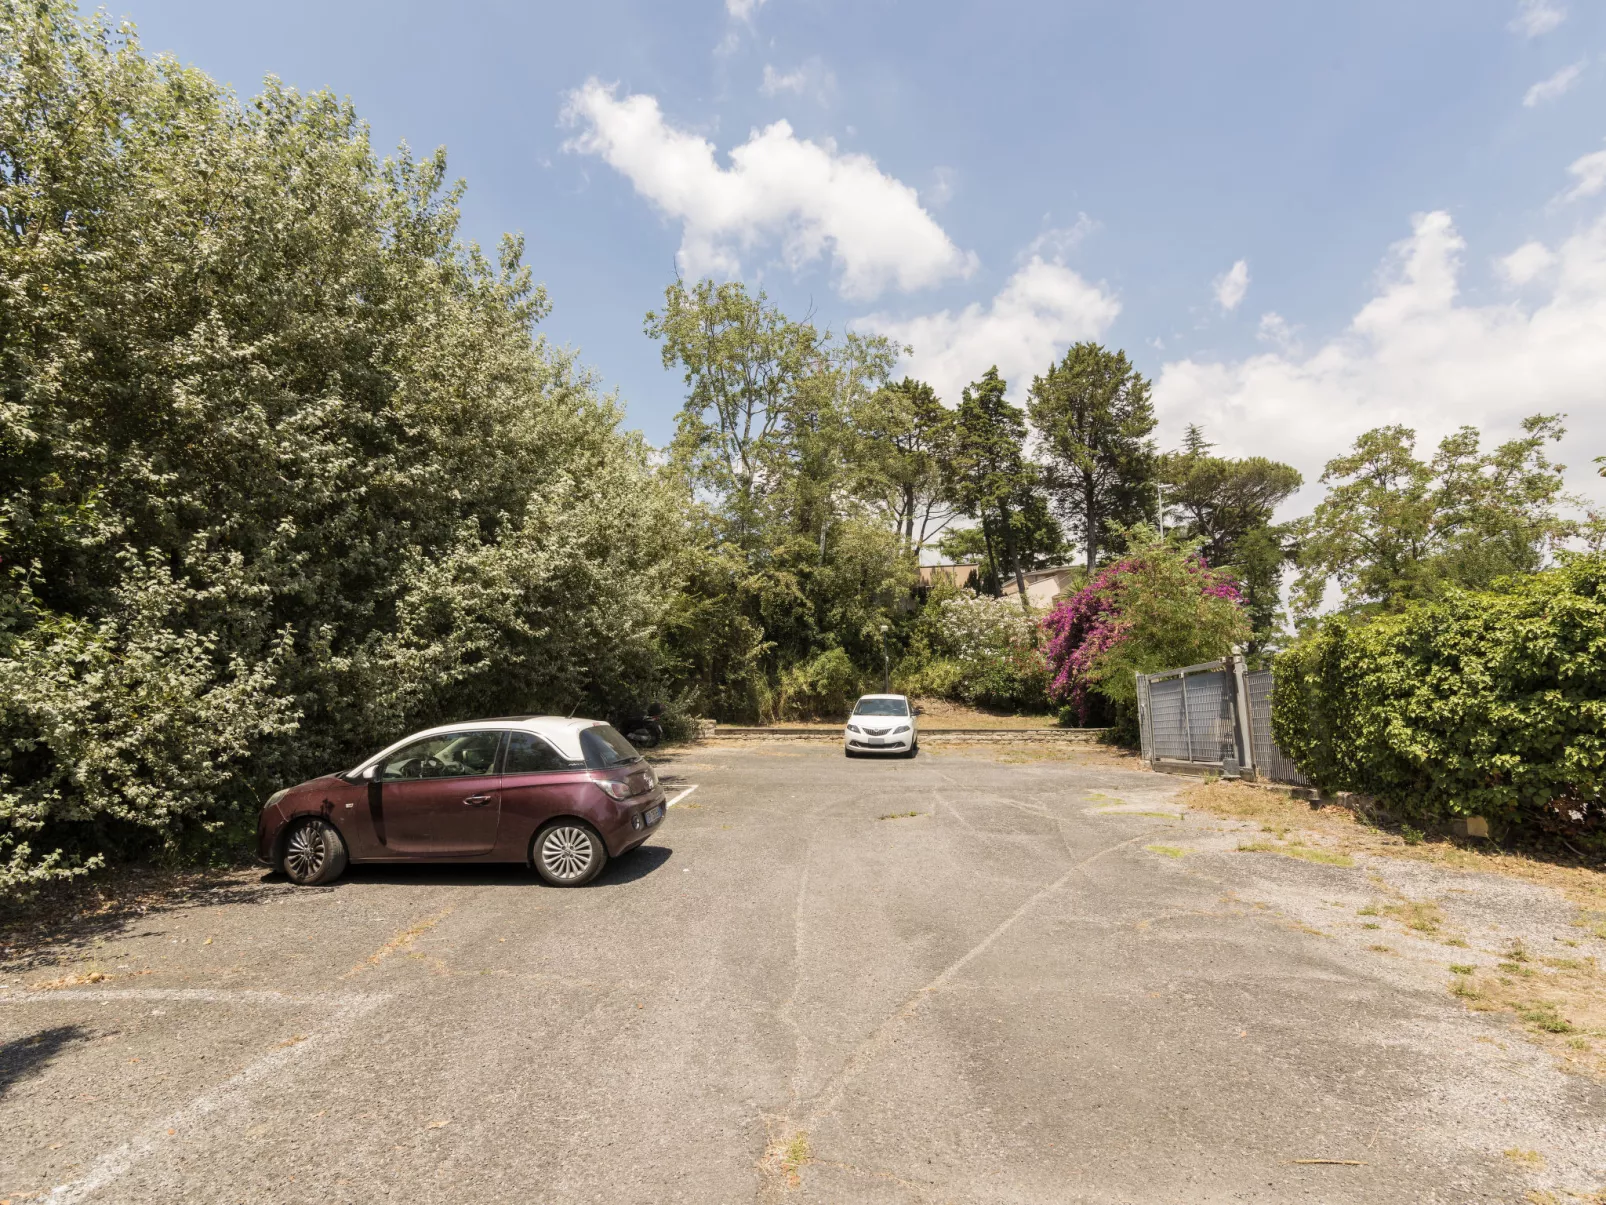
x: 853, y: 728
x: 900, y: 728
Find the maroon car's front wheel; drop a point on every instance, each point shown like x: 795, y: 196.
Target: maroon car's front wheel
x: 314, y: 854
x: 568, y: 853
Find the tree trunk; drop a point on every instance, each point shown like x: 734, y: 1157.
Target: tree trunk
x: 1014, y: 561
x: 992, y: 561
x: 908, y: 516
x: 1090, y: 524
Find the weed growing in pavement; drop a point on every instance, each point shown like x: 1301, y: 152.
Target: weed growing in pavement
x: 1411, y: 836
x: 1531, y: 1158
x: 1170, y: 851
x: 900, y: 815
x: 1421, y: 916
x: 1304, y: 853
x: 1461, y: 968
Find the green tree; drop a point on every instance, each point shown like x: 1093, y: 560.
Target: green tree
x: 1226, y: 505
x: 283, y: 469
x: 989, y: 477
x: 906, y: 434
x: 1093, y: 412
x: 792, y: 561
x: 1394, y: 528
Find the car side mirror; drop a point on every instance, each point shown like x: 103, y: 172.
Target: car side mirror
x: 920, y: 711
x: 369, y: 773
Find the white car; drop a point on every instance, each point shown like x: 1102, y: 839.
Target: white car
x: 882, y: 724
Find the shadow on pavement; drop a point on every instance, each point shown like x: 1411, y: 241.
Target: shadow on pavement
x: 636, y: 864
x: 25, y: 1057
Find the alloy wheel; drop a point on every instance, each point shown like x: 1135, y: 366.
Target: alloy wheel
x: 307, y: 852
x: 566, y: 852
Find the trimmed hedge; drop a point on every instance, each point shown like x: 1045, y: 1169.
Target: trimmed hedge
x: 1488, y: 703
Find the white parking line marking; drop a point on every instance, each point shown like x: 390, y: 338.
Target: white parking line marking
x: 199, y: 995
x: 114, y: 1164
x: 683, y: 794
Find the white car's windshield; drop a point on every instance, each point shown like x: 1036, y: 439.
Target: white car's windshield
x: 882, y: 707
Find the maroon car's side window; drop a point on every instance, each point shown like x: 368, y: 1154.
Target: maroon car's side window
x: 529, y: 754
x: 450, y: 755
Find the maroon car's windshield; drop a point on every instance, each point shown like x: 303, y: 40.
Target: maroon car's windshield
x: 604, y: 748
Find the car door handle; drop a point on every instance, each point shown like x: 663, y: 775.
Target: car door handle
x: 476, y: 801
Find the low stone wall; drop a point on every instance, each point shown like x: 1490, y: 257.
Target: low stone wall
x: 722, y: 734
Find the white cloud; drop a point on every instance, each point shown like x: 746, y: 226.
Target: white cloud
x: 1525, y: 263
x: 1590, y: 171
x: 742, y: 10
x: 776, y: 82
x: 1058, y: 241
x: 1417, y: 355
x: 812, y: 199
x: 1534, y: 17
x: 812, y: 78
x: 941, y: 191
x: 1549, y: 89
x: 1042, y: 308
x: 1231, y: 286
x: 1275, y: 329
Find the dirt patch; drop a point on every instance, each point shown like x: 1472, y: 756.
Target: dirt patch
x: 1557, y: 994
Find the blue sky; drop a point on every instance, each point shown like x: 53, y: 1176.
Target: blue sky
x: 1414, y: 191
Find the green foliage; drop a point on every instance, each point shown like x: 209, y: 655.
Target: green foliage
x: 1093, y: 412
x: 905, y: 436
x: 793, y: 557
x: 1227, y: 506
x: 990, y: 480
x: 986, y: 654
x: 1394, y: 529
x: 824, y: 685
x: 284, y: 471
x: 1487, y: 703
x: 1158, y: 608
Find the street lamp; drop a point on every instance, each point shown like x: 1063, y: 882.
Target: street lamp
x: 886, y: 665
x: 1159, y: 489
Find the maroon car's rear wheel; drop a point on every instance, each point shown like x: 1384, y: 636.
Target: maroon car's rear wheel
x: 567, y: 853
x: 313, y: 854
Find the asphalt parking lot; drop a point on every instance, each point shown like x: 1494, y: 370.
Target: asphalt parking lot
x: 952, y: 979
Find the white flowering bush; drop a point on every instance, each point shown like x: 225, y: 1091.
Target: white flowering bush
x: 986, y: 652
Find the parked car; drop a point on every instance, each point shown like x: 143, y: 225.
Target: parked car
x: 882, y: 724
x: 562, y: 795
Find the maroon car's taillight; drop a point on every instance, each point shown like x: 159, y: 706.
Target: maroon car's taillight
x: 613, y: 789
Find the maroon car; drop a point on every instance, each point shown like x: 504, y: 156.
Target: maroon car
x: 562, y: 795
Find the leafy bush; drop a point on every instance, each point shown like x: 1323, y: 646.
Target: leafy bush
x: 988, y: 654
x: 1487, y: 703
x: 1159, y: 608
x: 824, y: 685
x: 283, y: 470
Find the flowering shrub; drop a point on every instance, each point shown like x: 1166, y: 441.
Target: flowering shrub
x: 1160, y: 608
x: 989, y: 654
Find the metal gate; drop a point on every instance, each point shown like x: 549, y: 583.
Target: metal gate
x: 1213, y: 714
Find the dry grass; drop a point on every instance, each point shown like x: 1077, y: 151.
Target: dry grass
x: 783, y: 1159
x: 1305, y: 853
x: 1584, y: 886
x: 1421, y: 916
x: 1561, y: 1002
x: 1169, y: 851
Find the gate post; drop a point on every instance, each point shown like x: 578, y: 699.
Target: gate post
x: 1244, y: 726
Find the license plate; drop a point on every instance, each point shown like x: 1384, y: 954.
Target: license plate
x: 876, y: 740
x: 653, y: 815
